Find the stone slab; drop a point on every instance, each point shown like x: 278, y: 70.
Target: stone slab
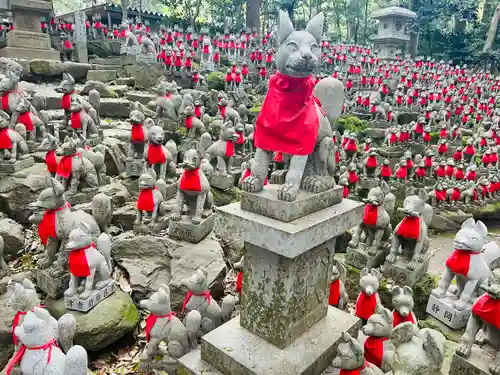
x: 401, y: 275
x: 160, y: 225
x: 29, y: 53
x: 9, y: 168
x: 222, y: 182
x: 266, y: 202
x: 231, y: 349
x: 185, y: 230
x: 87, y: 304
x: 293, y: 238
x: 81, y: 196
x: 360, y: 258
x: 477, y: 364
x: 53, y: 287
x: 146, y: 58
x: 134, y: 168
x: 442, y: 309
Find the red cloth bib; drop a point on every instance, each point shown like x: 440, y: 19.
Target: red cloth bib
x: 471, y: 176
x: 385, y: 171
x: 229, y: 148
x: 487, y: 309
x: 370, y: 215
x: 353, y: 372
x: 77, y: 261
x: 189, y: 294
x: 334, y: 297
x: 188, y: 122
x: 15, y: 323
x: 345, y: 194
x: 442, y: 148
x: 469, y: 150
x: 5, y: 142
x: 241, y: 138
x: 288, y: 121
x: 401, y: 172
x: 449, y: 170
x: 155, y: 154
x: 66, y: 101
x: 371, y: 162
x: 145, y: 201
x: 190, y: 180
x: 76, y: 121
x: 456, y: 194
x: 420, y: 172
x: 25, y: 119
x: 353, y: 177
x: 51, y: 161
x: 18, y: 356
x: 374, y: 349
x: 64, y: 167
x: 197, y: 111
x: 397, y: 319
x: 409, y: 227
x: 459, y: 261
x: 440, y: 171
x: 366, y: 305
x: 137, y: 133
x: 351, y: 146
x: 5, y: 101
x: 440, y: 195
x: 151, y: 321
x: 47, y: 227
x: 239, y: 282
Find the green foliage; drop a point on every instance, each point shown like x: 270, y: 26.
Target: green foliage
x: 352, y: 124
x: 215, y: 80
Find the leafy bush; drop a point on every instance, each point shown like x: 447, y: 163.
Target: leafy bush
x: 352, y: 124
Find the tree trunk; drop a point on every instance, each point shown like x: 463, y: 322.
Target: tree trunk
x: 414, y: 35
x: 366, y: 22
x: 490, y: 39
x: 253, y: 14
x: 196, y: 14
x: 124, y: 5
x: 237, y: 13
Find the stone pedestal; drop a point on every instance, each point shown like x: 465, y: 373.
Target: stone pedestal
x: 285, y: 325
x: 54, y: 287
x: 477, y: 364
x: 442, y: 309
x: 185, y: 230
x: 401, y: 275
x: 161, y: 224
x: 359, y: 257
x: 87, y: 304
x: 134, y: 168
x: 26, y: 41
x: 222, y: 181
x: 7, y: 168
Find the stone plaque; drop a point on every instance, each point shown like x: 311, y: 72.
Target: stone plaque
x: 442, y: 309
x: 97, y: 296
x: 132, y: 50
x: 207, y: 66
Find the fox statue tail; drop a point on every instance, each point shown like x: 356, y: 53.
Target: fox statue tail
x: 76, y: 361
x: 102, y: 211
x: 330, y: 92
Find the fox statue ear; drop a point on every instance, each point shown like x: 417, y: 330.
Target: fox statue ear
x: 315, y: 26
x: 285, y: 27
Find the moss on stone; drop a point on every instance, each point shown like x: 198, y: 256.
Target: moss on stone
x: 255, y: 110
x: 450, y: 334
x: 223, y: 197
x: 215, y: 80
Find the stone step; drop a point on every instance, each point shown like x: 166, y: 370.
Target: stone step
x: 129, y: 81
x: 101, y: 75
x: 194, y: 365
x: 105, y: 61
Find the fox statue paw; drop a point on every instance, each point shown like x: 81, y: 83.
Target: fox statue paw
x: 252, y: 184
x: 288, y: 192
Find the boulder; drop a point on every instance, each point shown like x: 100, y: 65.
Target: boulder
x: 47, y: 68
x: 129, y: 81
x: 13, y: 236
x: 118, y: 193
x: 101, y: 75
x: 124, y: 217
x: 106, y: 323
x: 6, y: 317
x: 11, y: 65
x: 100, y: 87
x: 77, y: 70
x: 141, y: 97
x: 442, y: 223
x: 15, y: 196
x: 115, y: 107
x: 46, y: 98
x: 115, y: 156
x: 146, y: 76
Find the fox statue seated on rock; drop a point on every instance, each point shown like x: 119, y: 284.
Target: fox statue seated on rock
x: 350, y: 358
x: 295, y: 120
x: 13, y: 144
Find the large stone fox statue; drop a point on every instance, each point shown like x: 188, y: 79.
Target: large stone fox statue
x: 296, y: 115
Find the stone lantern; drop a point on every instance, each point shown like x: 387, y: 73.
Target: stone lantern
x: 392, y: 29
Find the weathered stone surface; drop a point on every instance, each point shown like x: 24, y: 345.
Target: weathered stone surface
x: 15, y: 195
x: 118, y: 90
x: 146, y: 76
x: 129, y: 81
x: 141, y: 97
x: 6, y: 317
x: 47, y: 68
x: 117, y: 191
x: 101, y: 75
x: 115, y: 107
x: 223, y: 197
x: 10, y: 64
x: 185, y: 230
x: 46, y: 99
x: 476, y: 364
x: 443, y: 224
x: 76, y: 69
x: 100, y: 87
x: 115, y: 156
x: 109, y: 321
x: 433, y: 323
x: 124, y: 217
x: 13, y: 236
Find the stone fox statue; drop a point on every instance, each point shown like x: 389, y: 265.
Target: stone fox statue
x: 293, y: 119
x: 10, y: 94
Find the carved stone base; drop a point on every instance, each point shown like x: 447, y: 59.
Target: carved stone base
x: 94, y: 141
x: 477, y: 364
x: 359, y: 257
x: 185, y: 230
x: 442, y: 309
x: 87, y: 304
x: 401, y: 275
x: 170, y: 191
x: 81, y: 196
x: 134, y: 168
x: 159, y: 364
x: 53, y: 287
x: 222, y: 182
x: 9, y: 168
x: 266, y: 203
x: 160, y: 225
x: 237, y: 160
x: 367, y: 183
x: 28, y: 53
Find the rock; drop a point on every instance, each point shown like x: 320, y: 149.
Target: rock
x: 9, y: 64
x: 141, y: 97
x: 449, y: 350
x: 101, y: 75
x: 342, y: 241
x: 215, y: 80
x: 13, y: 236
x: 115, y: 107
x: 441, y: 223
x: 118, y: 193
x: 115, y: 156
x: 121, y: 134
x: 46, y: 99
x: 486, y: 213
x: 47, y: 68
x: 6, y: 317
x: 124, y: 217
x: 223, y: 197
x: 27, y: 87
x: 458, y: 217
x: 146, y: 76
x: 375, y: 133
x: 100, y: 87
x: 129, y: 81
x: 151, y: 261
x: 450, y: 334
x: 109, y: 321
x: 118, y: 90
x: 77, y: 70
